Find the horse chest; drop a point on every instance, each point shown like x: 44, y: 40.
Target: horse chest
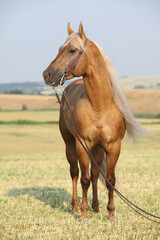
x: 94, y: 130
x: 97, y: 127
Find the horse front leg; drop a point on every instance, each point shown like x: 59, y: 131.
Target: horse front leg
x: 85, y: 178
x: 112, y: 157
x: 74, y: 171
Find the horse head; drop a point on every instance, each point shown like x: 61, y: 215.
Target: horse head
x: 71, y: 60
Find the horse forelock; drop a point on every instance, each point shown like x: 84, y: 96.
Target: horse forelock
x: 75, y: 40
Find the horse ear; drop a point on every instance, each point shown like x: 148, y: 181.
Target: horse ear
x: 81, y: 31
x: 69, y: 29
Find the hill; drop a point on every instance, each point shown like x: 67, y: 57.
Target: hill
x: 142, y: 101
x: 152, y: 82
x: 25, y: 87
x: 149, y: 82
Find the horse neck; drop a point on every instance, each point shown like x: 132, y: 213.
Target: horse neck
x: 96, y: 80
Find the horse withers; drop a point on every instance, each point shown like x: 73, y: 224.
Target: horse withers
x: 99, y: 108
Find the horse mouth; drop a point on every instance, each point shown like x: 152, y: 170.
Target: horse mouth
x: 54, y: 81
x: 60, y: 81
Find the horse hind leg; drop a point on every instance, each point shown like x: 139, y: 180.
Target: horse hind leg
x: 98, y: 154
x: 112, y: 158
x: 94, y: 180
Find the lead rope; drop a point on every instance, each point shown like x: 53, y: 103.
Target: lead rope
x: 87, y: 150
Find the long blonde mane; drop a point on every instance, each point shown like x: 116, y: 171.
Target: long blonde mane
x: 134, y: 129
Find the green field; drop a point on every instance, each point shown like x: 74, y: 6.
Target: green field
x: 36, y: 190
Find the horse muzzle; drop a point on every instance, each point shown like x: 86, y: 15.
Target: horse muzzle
x: 52, y: 78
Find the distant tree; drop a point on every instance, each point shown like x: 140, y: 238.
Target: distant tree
x: 24, y: 107
x: 139, y: 86
x: 5, y: 92
x: 13, y: 91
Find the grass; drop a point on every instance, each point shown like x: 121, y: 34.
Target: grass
x: 45, y: 117
x: 29, y: 117
x: 36, y: 188
x: 30, y: 139
x: 40, y: 116
x: 27, y: 122
x: 36, y: 193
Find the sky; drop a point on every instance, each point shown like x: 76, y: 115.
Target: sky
x: 31, y: 32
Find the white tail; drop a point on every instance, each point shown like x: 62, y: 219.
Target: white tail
x: 103, y: 168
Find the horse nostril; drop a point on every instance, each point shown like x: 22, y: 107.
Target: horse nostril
x: 48, y: 76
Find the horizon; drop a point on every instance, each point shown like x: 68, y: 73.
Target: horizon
x: 32, y: 33
x: 42, y: 81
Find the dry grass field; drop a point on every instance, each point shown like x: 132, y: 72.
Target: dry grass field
x: 36, y: 190
x: 40, y: 116
x: 15, y: 102
x: 141, y: 101
x: 146, y: 101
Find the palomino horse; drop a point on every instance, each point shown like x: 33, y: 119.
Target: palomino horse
x: 99, y: 109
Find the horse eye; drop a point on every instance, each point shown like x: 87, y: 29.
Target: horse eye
x: 72, y: 51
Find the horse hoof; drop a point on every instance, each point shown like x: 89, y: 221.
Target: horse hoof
x: 96, y: 210
x: 82, y: 217
x: 75, y: 213
x: 112, y: 220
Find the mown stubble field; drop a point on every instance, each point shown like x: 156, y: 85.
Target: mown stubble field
x: 36, y: 188
x: 141, y: 101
